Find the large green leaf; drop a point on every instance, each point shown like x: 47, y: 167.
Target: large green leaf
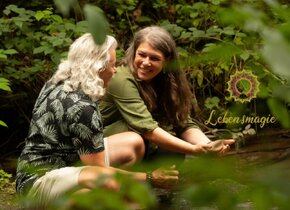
x: 98, y: 25
x: 277, y: 52
x: 65, y: 5
x: 280, y: 111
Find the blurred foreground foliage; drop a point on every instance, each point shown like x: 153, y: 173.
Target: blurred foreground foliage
x: 215, y: 39
x: 205, y: 183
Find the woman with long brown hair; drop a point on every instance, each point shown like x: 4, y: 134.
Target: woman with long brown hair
x: 150, y: 95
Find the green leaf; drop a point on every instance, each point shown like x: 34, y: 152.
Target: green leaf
x: 57, y: 42
x: 48, y: 50
x: 221, y: 51
x: 232, y: 16
x: 280, y: 111
x: 228, y: 31
x: 3, y: 80
x: 143, y: 19
x: 5, y: 87
x: 98, y: 25
x: 199, y: 78
x: 212, y: 102
x: 39, y: 15
x: 185, y: 35
x: 244, y: 55
x: 4, y: 84
x: 10, y: 52
x: 193, y: 14
x: 213, y: 31
x: 120, y: 11
x: 18, y: 23
x: 217, y: 70
x: 277, y: 52
x: 215, y: 2
x: 282, y: 92
x: 6, y: 12
x: 199, y: 6
x: 209, y: 47
x: 3, y: 56
x: 64, y: 6
x: 39, y: 49
x: 57, y: 18
x: 198, y: 33
x: 263, y: 91
x: 3, y: 123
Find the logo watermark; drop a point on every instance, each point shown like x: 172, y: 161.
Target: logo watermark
x: 244, y: 119
x: 243, y: 86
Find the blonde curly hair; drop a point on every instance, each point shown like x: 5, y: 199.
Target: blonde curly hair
x: 84, y: 63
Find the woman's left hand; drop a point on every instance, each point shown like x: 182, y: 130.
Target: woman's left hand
x: 165, y: 178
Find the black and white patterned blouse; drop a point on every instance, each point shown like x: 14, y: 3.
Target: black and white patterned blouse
x: 64, y: 125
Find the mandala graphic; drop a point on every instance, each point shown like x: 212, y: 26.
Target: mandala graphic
x: 243, y: 86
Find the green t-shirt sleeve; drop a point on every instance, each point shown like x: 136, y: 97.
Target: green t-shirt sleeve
x: 125, y: 95
x: 189, y: 124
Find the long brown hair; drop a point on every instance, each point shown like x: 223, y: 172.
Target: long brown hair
x: 169, y: 94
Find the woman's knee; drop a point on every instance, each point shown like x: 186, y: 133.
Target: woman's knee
x: 125, y: 148
x: 138, y: 145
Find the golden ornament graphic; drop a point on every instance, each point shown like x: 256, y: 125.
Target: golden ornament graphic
x: 243, y: 86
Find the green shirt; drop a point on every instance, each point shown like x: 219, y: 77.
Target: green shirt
x: 123, y: 108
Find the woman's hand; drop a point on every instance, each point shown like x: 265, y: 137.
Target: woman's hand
x: 164, y: 178
x: 220, y: 146
x: 200, y: 148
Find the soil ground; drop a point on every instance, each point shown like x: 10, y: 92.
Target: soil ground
x: 7, y: 198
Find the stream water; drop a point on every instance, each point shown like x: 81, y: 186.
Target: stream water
x: 267, y: 152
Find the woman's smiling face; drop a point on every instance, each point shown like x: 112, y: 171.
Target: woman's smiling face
x: 148, y: 62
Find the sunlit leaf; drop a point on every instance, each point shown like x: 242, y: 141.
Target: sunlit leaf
x: 4, y: 84
x: 3, y: 123
x: 39, y: 15
x: 3, y: 56
x: 217, y: 70
x: 5, y: 87
x: 10, y: 52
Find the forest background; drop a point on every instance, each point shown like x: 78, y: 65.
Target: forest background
x: 215, y: 39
